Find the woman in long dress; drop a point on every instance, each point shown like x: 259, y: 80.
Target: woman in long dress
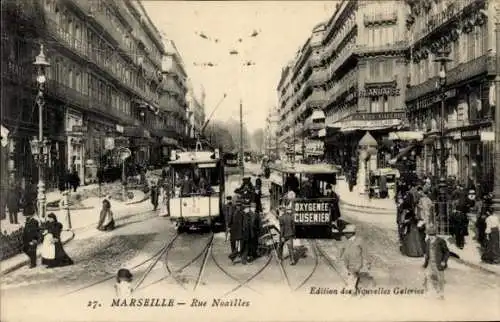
x: 54, y: 228
x: 163, y: 199
x: 106, y: 221
x: 411, y: 234
x: 491, y: 253
x: 48, y: 249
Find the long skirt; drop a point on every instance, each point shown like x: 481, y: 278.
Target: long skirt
x: 48, y: 250
x: 412, y: 242
x: 492, y: 252
x: 62, y: 259
x: 163, y: 209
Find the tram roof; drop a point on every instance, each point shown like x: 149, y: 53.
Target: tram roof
x: 321, y: 168
x: 192, y: 157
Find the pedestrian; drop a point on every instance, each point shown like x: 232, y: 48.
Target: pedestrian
x: 492, y: 251
x: 258, y: 194
x: 106, y: 220
x: 236, y: 230
x: 31, y: 237
x: 74, y: 179
x: 163, y: 200
x: 460, y: 220
x: 412, y: 232
x: 287, y: 234
x: 228, y: 213
x: 436, y: 261
x: 352, y: 257
x: 13, y: 203
x: 154, y: 195
x: 247, y: 231
x: 58, y: 256
x: 255, y: 226
x: 123, y: 285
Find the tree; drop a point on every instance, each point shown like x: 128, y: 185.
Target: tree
x: 258, y: 140
x: 219, y: 136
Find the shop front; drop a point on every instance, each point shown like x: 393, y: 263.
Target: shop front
x: 75, y: 142
x: 140, y: 143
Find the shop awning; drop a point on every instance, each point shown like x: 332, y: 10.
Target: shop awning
x: 169, y: 141
x: 136, y: 132
x: 406, y: 135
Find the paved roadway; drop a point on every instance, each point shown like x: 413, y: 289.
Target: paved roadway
x: 198, y: 262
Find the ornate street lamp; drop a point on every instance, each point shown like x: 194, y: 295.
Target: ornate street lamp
x: 39, y: 146
x: 443, y: 60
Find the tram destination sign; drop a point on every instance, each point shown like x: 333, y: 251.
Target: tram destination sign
x: 312, y: 212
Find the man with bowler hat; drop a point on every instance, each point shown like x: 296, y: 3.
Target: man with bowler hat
x: 235, y: 229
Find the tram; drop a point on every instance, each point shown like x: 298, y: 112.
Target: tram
x: 197, y: 190
x: 312, y: 209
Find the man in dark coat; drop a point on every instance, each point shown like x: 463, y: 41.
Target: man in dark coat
x: 154, y: 195
x: 287, y: 234
x: 235, y: 225
x: 258, y: 194
x: 31, y: 236
x: 229, y: 209
x: 74, y: 180
x: 255, y: 227
x: 247, y: 232
x: 292, y: 183
x: 334, y: 204
x: 29, y: 200
x: 13, y: 203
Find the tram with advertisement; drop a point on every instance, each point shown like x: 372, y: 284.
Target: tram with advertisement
x: 313, y: 210
x: 196, y: 191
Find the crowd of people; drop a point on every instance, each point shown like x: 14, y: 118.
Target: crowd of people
x: 418, y: 209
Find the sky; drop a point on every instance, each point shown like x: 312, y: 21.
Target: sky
x: 282, y: 26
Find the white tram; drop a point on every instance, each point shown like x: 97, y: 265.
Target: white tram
x: 197, y: 189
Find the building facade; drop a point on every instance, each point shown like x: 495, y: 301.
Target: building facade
x: 299, y: 94
x: 466, y: 29
x: 271, y: 139
x: 356, y: 73
x: 104, y: 82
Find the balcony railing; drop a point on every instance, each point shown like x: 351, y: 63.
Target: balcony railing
x: 316, y: 99
x: 319, y: 77
x: 372, y: 19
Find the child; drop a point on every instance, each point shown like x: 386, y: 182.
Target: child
x: 123, y: 286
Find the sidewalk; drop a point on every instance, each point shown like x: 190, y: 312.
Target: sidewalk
x: 357, y: 200
x: 81, y: 221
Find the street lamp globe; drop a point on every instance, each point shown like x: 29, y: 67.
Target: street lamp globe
x: 41, y: 62
x: 35, y: 146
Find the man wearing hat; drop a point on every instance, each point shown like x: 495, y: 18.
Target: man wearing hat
x: 255, y: 228
x: 228, y: 213
x: 247, y: 231
x: 234, y: 225
x: 287, y: 234
x: 352, y: 256
x: 258, y: 194
x: 436, y: 261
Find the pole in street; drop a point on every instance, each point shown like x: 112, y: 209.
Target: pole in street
x: 443, y: 60
x: 41, y: 64
x: 496, y: 188
x: 242, y: 159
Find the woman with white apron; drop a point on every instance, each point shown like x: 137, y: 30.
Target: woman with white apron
x: 163, y: 200
x: 48, y: 249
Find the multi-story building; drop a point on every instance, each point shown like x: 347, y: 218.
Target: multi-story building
x: 298, y: 94
x: 354, y: 71
x: 271, y: 134
x: 104, y: 81
x: 173, y: 102
x: 465, y: 28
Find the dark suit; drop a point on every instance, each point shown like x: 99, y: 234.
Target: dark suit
x: 235, y: 225
x: 31, y: 236
x: 287, y: 234
x: 334, y: 206
x: 255, y: 224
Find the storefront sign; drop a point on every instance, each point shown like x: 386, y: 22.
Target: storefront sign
x: 379, y: 91
x: 79, y: 128
x: 312, y: 212
x: 487, y: 136
x: 470, y: 133
x: 358, y: 124
x: 315, y: 147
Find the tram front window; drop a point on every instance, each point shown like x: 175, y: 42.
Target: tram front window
x: 192, y: 180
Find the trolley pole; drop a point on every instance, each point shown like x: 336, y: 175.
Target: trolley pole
x: 242, y: 159
x: 496, y: 182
